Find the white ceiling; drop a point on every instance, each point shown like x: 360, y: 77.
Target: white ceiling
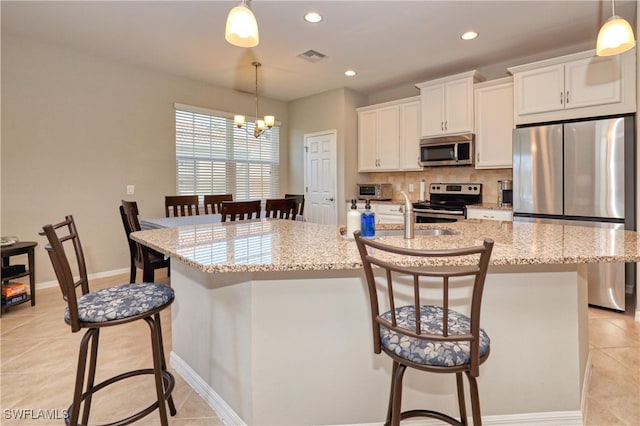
x: 389, y: 43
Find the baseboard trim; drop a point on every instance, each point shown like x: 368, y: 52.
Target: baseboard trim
x: 230, y: 417
x: 54, y: 283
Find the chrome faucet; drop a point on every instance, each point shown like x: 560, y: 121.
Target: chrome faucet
x: 409, y: 217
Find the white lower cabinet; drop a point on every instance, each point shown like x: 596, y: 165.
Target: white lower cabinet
x: 489, y: 214
x: 389, y: 213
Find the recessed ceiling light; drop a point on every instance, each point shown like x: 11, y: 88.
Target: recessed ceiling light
x: 350, y: 73
x: 313, y: 17
x: 469, y: 35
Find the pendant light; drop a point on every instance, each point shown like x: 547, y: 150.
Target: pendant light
x: 615, y: 36
x: 260, y: 125
x: 242, y: 28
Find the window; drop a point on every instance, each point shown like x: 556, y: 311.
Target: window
x: 213, y: 156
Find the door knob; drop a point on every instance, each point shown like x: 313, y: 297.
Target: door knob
x: 329, y: 199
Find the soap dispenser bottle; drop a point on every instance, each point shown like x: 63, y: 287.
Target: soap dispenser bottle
x: 368, y: 222
x: 353, y: 220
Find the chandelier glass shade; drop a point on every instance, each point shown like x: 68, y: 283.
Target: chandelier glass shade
x: 615, y: 36
x: 260, y: 125
x: 242, y: 28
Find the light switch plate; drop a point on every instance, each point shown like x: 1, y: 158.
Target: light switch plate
x: 131, y: 189
x: 410, y: 187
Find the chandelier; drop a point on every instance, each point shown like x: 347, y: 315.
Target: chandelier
x: 260, y: 125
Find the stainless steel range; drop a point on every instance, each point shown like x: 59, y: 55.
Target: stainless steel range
x: 447, y: 202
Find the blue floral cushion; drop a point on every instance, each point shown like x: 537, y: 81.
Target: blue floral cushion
x: 430, y: 352
x: 120, y: 302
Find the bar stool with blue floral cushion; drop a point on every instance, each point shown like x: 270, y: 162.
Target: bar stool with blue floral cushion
x: 104, y: 308
x: 440, y: 339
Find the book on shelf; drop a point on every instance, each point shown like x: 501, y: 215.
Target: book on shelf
x: 12, y: 300
x: 11, y: 270
x: 13, y: 289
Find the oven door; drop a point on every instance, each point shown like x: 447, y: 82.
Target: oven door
x: 438, y: 216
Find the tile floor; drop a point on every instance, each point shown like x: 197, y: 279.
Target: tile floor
x: 38, y: 360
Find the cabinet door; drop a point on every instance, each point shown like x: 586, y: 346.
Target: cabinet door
x: 458, y: 101
x: 494, y: 126
x: 490, y: 214
x: 540, y: 90
x: 388, y: 138
x: 593, y: 81
x: 367, y: 140
x: 410, y: 136
x: 432, y: 107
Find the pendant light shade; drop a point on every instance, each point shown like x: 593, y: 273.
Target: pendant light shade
x: 242, y: 28
x: 615, y: 36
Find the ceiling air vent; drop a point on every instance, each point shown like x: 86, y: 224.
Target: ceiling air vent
x: 312, y: 56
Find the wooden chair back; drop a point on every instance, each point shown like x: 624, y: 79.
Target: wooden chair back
x: 299, y: 202
x: 61, y: 235
x: 422, y: 280
x: 129, y: 216
x: 140, y: 255
x: 181, y: 205
x: 281, y: 208
x: 213, y: 203
x: 240, y: 210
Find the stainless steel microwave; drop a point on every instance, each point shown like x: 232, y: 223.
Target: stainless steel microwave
x: 375, y: 191
x: 455, y: 150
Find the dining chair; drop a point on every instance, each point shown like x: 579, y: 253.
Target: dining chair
x: 213, y: 203
x: 299, y: 201
x: 281, y: 208
x: 140, y: 255
x: 240, y: 210
x: 429, y: 336
x: 107, y: 307
x: 181, y: 205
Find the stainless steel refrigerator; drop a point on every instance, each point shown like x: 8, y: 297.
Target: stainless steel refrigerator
x: 580, y: 173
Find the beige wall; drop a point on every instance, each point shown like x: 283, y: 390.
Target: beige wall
x: 76, y: 129
x: 334, y: 109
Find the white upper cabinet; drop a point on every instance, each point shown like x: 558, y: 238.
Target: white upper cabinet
x: 494, y: 123
x: 378, y: 139
x: 447, y: 104
x: 410, y: 135
x: 389, y: 136
x: 574, y: 86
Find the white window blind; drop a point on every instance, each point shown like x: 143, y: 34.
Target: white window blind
x: 213, y: 156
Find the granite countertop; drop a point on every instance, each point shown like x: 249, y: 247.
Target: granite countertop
x: 490, y: 206
x: 286, y: 245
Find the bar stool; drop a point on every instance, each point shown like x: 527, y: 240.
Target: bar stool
x: 439, y: 339
x: 105, y: 308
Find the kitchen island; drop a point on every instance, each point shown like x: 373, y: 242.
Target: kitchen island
x: 271, y: 321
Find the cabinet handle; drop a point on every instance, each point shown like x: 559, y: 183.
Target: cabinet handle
x: 442, y: 125
x: 561, y: 98
x: 478, y: 157
x: 445, y: 125
x: 567, y: 96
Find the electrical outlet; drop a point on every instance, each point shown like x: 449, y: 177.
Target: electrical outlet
x: 131, y: 189
x: 398, y: 187
x: 410, y: 187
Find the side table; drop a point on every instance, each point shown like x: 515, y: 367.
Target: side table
x: 21, y: 247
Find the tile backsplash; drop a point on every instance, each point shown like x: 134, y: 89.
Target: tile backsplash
x: 488, y: 178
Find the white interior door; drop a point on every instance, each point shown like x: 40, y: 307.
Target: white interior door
x: 321, y: 204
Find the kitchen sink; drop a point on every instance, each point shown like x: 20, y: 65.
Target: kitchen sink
x: 431, y: 232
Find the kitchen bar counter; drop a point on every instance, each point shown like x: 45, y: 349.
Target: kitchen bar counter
x: 280, y: 245
x: 271, y: 323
